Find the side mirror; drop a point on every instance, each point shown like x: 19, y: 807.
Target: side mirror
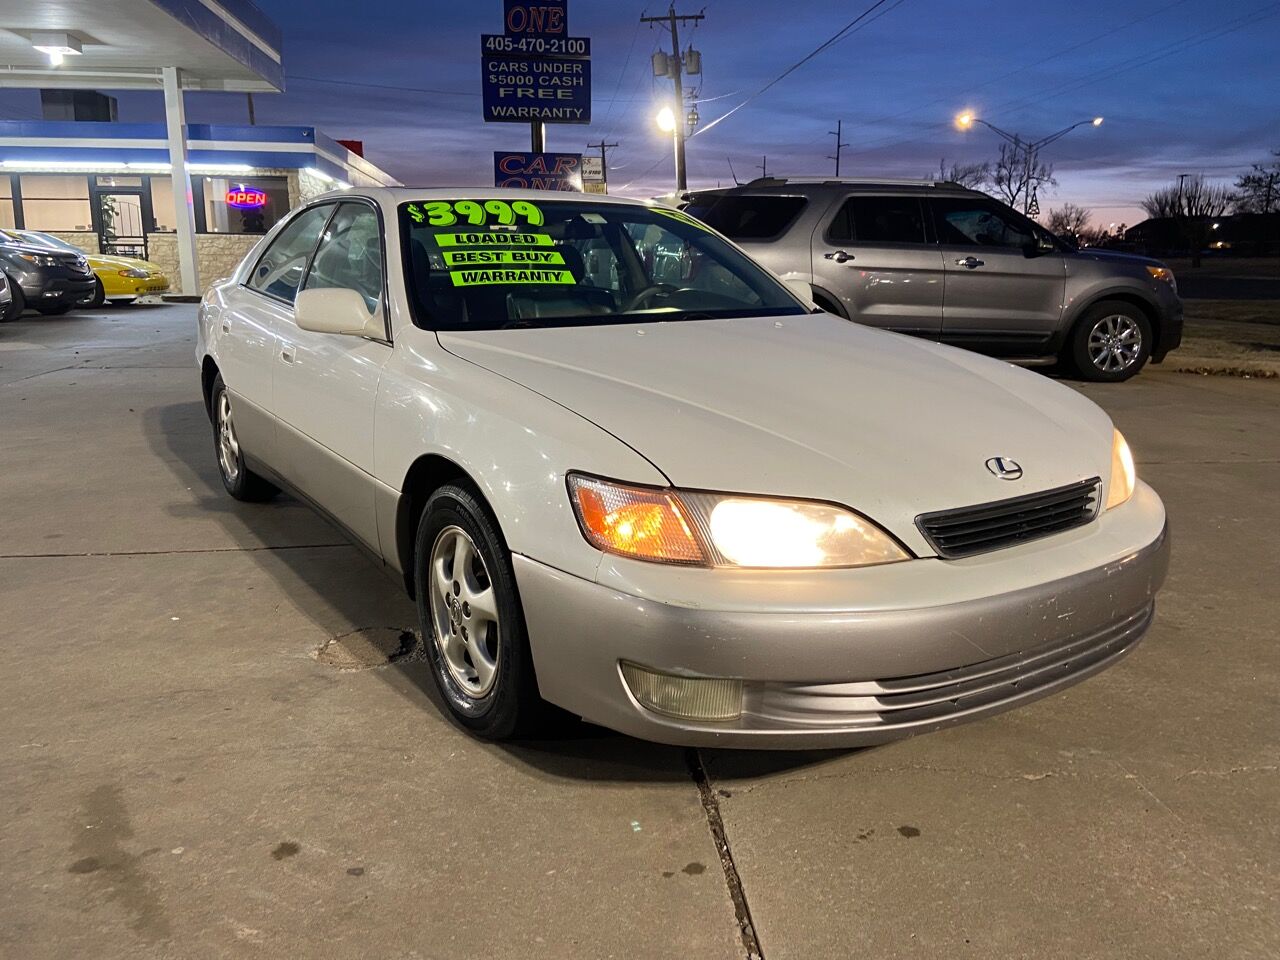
x: 336, y: 310
x: 802, y: 289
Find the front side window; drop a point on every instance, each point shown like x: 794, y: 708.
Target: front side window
x: 350, y: 255
x: 746, y: 217
x: 492, y: 264
x: 280, y: 269
x: 980, y: 223
x: 879, y: 220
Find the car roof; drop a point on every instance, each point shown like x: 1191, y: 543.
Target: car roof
x: 813, y: 186
x: 393, y: 196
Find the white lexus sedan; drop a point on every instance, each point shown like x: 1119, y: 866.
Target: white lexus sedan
x: 625, y: 470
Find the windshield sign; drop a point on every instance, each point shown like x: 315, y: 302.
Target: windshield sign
x: 479, y: 264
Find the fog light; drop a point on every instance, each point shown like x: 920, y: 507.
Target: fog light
x: 686, y: 698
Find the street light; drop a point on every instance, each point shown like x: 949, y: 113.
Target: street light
x: 666, y: 120
x: 966, y: 120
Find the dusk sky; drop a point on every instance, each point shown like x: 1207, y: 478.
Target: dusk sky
x: 1184, y: 87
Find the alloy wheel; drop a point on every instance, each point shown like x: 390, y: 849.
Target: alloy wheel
x: 228, y: 445
x: 1115, y: 343
x: 464, y: 611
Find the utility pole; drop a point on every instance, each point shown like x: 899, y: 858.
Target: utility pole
x: 837, y: 133
x: 673, y: 21
x: 764, y: 166
x: 604, y: 159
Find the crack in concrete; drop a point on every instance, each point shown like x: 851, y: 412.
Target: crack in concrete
x: 1029, y: 777
x: 168, y: 553
x: 741, y: 909
x: 1230, y: 771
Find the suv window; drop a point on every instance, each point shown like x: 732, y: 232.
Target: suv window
x: 350, y: 255
x: 879, y: 220
x: 979, y: 223
x: 280, y: 269
x: 738, y: 217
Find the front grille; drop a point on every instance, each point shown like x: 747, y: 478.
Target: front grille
x: 926, y: 698
x: 992, y: 526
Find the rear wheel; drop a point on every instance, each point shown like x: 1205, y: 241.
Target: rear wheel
x: 472, y: 624
x: 241, y: 482
x: 1111, y: 342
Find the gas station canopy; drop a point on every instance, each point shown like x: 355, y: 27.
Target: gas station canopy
x: 125, y: 44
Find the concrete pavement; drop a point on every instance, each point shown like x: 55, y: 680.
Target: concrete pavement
x: 184, y: 776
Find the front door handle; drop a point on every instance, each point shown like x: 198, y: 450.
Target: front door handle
x: 971, y: 262
x: 840, y: 256
x: 226, y: 325
x: 286, y: 352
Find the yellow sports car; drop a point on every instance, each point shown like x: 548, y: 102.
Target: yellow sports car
x: 120, y: 279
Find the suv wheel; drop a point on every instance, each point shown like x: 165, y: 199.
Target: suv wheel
x: 1111, y: 342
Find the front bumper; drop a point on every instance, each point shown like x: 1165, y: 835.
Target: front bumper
x: 118, y: 287
x: 825, y: 677
x: 41, y: 290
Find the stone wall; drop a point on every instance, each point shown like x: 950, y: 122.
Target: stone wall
x: 86, y: 241
x: 217, y: 254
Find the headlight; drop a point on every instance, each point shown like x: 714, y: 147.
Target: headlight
x: 135, y: 273
x: 714, y: 529
x: 1123, y: 475
x: 39, y: 259
x: 1165, y: 274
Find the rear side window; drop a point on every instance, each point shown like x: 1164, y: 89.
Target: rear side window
x: 747, y: 217
x: 280, y: 270
x: 879, y: 220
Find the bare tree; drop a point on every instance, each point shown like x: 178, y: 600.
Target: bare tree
x: 971, y: 175
x: 1017, y: 175
x: 1070, y: 222
x: 1258, y: 191
x: 1194, y: 203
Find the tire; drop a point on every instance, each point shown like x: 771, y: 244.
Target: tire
x: 241, y: 482
x: 99, y: 295
x: 500, y: 701
x: 57, y: 311
x: 1110, y: 343
x: 17, y: 305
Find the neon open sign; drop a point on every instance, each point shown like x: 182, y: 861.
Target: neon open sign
x: 246, y: 198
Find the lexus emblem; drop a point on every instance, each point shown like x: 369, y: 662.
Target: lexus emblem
x: 1004, y: 468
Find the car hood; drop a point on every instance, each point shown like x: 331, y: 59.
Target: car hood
x: 809, y: 406
x: 128, y: 263
x: 1118, y: 256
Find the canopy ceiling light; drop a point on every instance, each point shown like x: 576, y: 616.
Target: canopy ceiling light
x: 56, y: 46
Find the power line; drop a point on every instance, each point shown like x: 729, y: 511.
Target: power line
x: 834, y: 38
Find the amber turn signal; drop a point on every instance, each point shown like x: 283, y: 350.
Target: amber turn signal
x: 633, y: 521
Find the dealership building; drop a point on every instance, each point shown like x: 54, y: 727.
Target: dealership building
x: 107, y: 187
x: 191, y: 197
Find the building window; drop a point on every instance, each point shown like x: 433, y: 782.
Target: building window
x: 249, y: 205
x: 56, y: 203
x: 162, y: 205
x: 6, y: 203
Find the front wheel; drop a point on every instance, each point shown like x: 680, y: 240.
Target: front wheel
x: 241, y: 482
x: 1111, y: 342
x: 472, y: 624
x: 99, y: 295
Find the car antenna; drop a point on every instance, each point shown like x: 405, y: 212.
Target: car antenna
x: 736, y: 181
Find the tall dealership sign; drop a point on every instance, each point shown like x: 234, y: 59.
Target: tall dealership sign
x: 534, y: 72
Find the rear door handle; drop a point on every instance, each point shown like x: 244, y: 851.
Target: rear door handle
x: 971, y: 262
x: 839, y: 256
x: 286, y: 352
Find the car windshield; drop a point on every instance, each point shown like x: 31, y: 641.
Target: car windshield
x: 32, y: 238
x: 488, y: 264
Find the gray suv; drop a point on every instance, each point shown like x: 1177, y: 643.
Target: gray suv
x: 938, y: 260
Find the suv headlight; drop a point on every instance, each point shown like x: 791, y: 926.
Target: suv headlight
x: 724, y: 529
x: 1123, y: 474
x: 39, y: 259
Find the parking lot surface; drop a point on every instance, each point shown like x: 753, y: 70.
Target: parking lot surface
x: 217, y: 740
